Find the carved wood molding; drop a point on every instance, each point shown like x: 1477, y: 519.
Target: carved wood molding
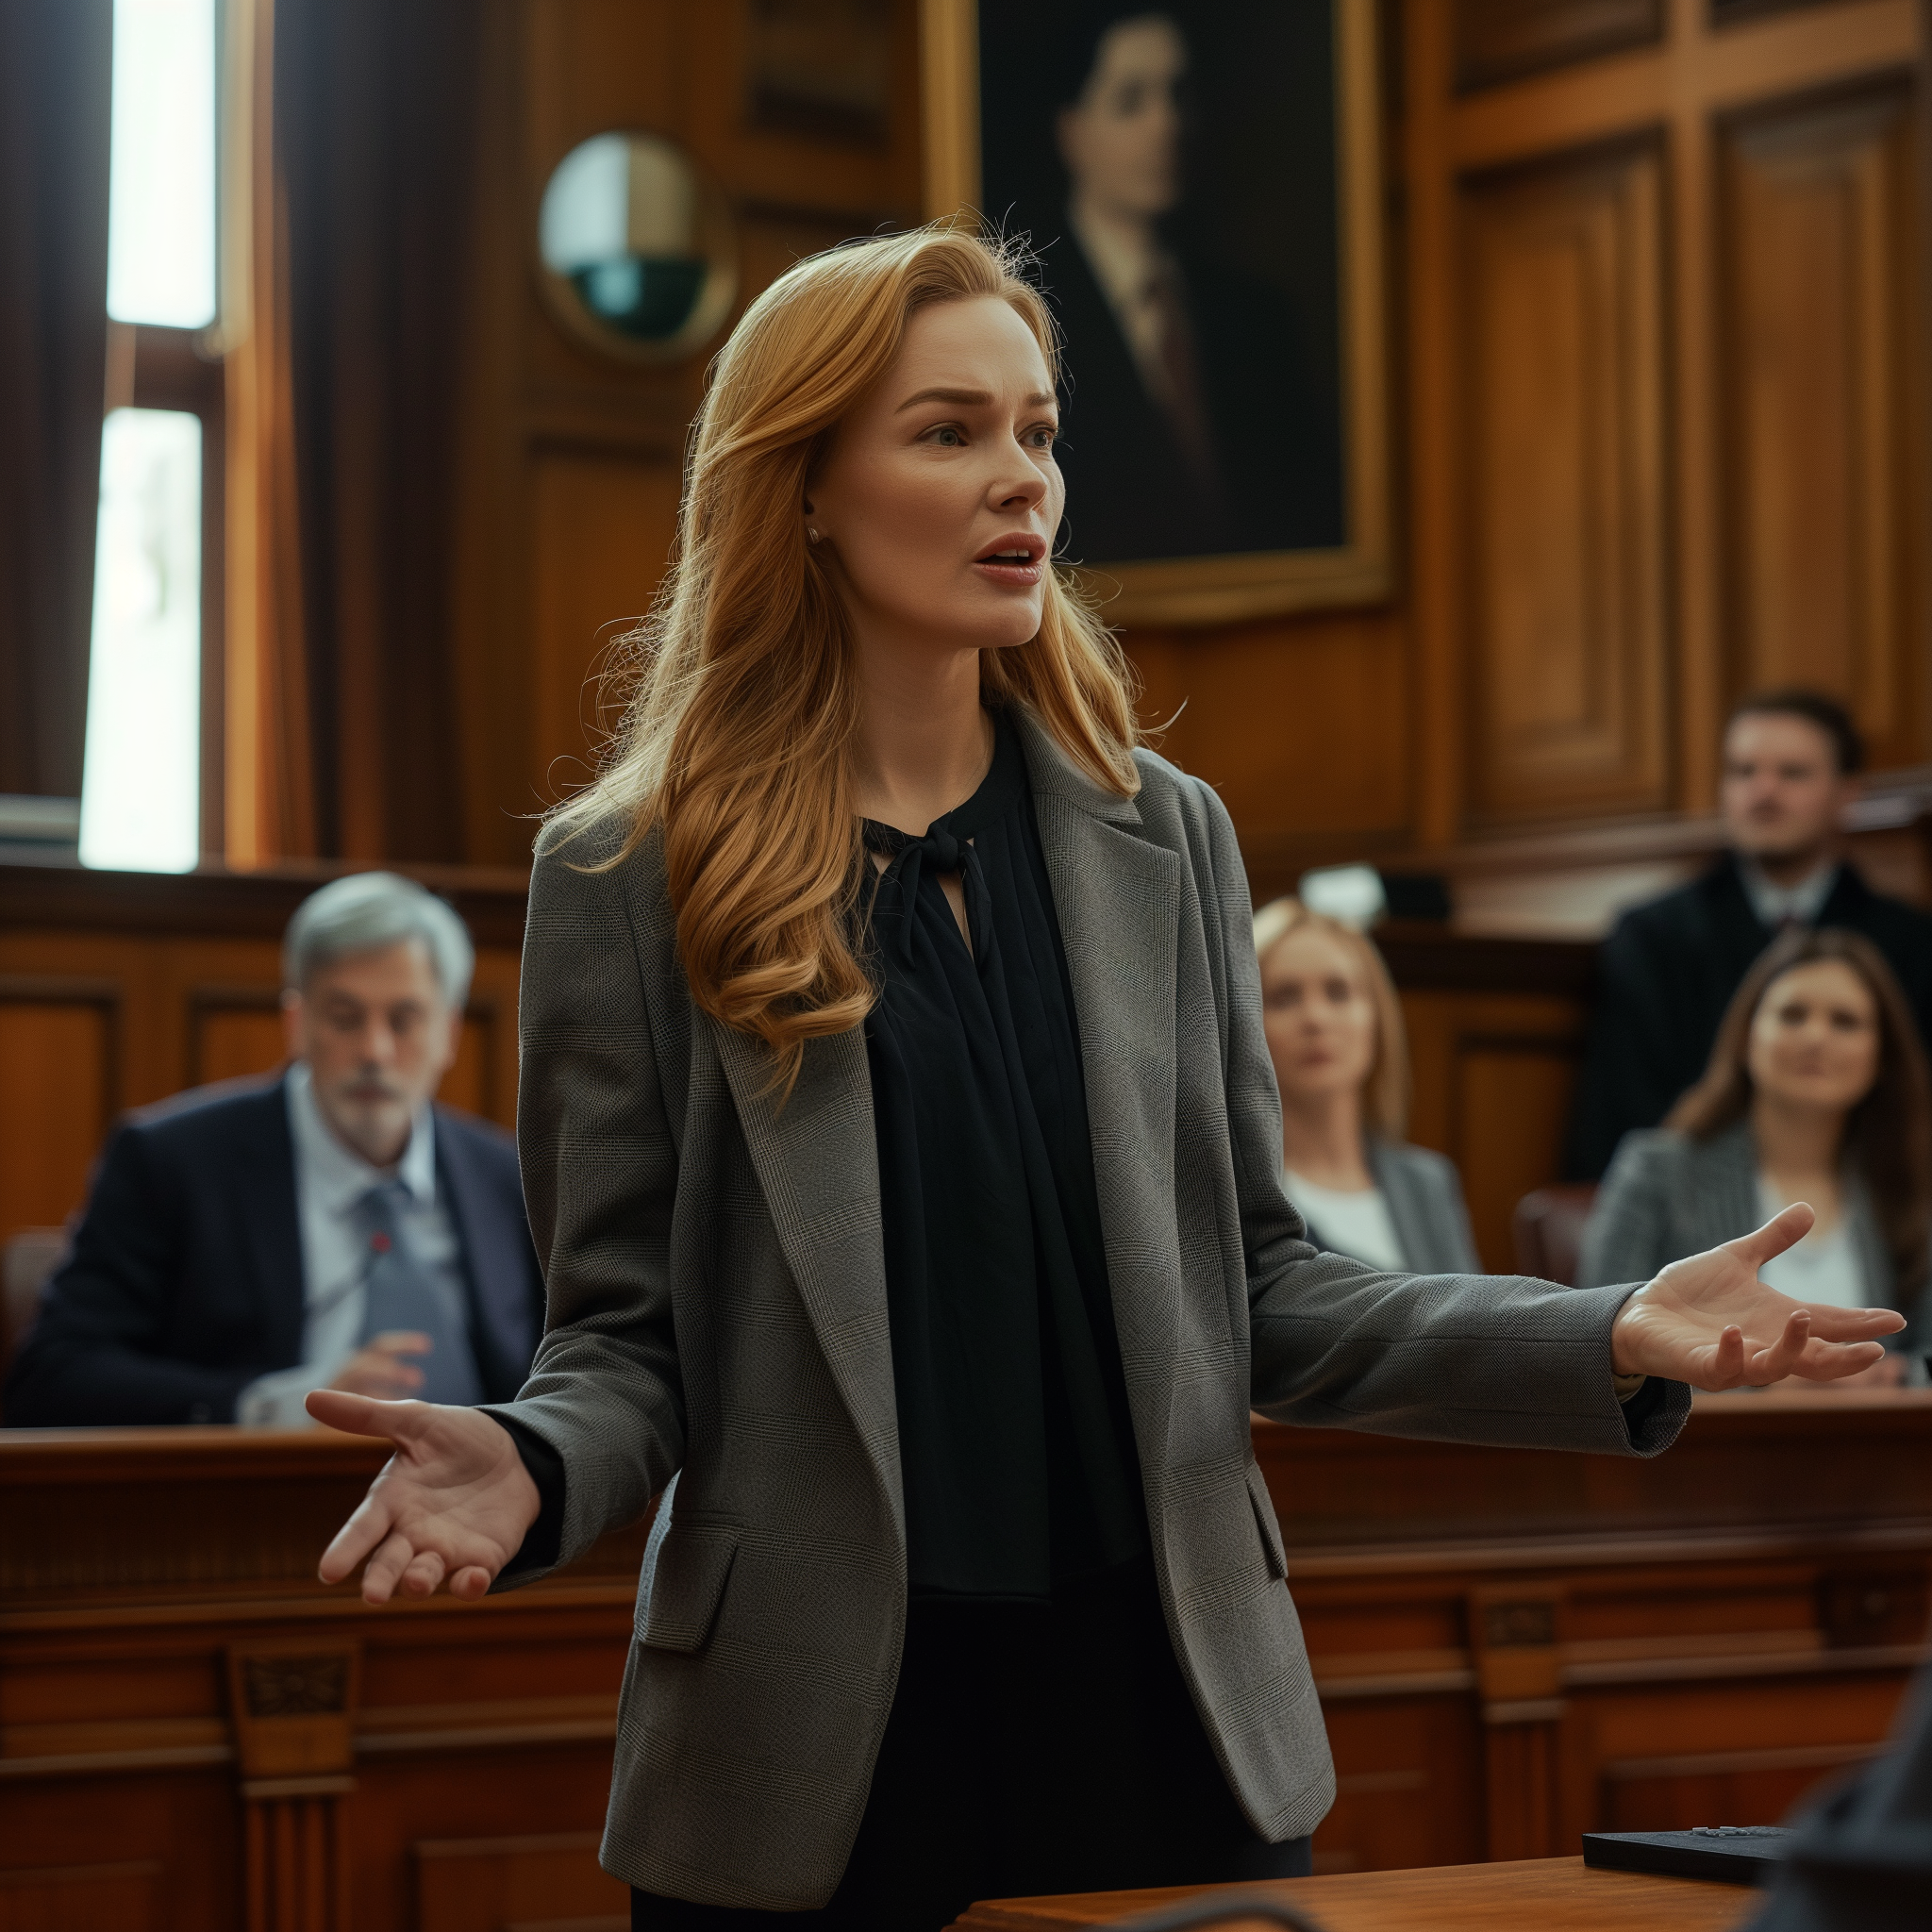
x: 291, y: 1703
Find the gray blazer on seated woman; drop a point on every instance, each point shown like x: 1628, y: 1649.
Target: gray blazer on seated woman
x: 1817, y: 1090
x: 1341, y: 1057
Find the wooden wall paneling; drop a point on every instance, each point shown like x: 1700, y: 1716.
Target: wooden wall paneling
x: 1434, y: 358
x: 1304, y: 729
x: 1698, y: 690
x: 573, y: 466
x: 1732, y: 13
x: 1679, y: 1792
x: 494, y: 995
x: 1702, y: 83
x: 80, y: 1898
x: 499, y: 1885
x: 1649, y: 1756
x: 1402, y: 1793
x: 234, y: 1031
x: 214, y: 1012
x: 1493, y: 1077
x: 471, y: 1081
x: 1511, y: 1101
x: 604, y: 525
x: 866, y: 166
x: 1514, y: 1637
x: 1819, y: 232
x: 489, y: 589
x: 600, y: 64
x: 1562, y: 272
x: 1504, y: 40
x: 59, y: 1079
x: 172, y: 1845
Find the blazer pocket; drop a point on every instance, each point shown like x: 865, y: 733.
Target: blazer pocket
x: 1265, y: 1525
x: 688, y: 1585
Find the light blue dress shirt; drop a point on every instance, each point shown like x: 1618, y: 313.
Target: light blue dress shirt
x: 330, y: 1179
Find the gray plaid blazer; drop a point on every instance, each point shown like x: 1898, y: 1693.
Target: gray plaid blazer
x: 717, y: 1314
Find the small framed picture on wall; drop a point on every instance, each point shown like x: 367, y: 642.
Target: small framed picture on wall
x: 1200, y: 181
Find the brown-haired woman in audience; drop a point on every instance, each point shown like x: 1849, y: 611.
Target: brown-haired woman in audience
x: 1340, y: 1055
x: 1816, y: 1090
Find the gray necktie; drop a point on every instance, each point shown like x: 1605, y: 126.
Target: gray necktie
x: 402, y: 1293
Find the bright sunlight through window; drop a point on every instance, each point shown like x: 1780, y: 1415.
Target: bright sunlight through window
x: 141, y: 794
x: 162, y: 197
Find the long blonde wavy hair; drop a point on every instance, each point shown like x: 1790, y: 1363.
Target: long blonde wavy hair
x: 739, y: 695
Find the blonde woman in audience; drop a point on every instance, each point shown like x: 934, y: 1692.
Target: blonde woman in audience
x: 1816, y: 1091
x: 1341, y: 1058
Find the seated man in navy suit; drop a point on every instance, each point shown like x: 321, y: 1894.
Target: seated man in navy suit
x: 329, y: 1228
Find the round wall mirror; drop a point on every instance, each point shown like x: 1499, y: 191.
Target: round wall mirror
x: 639, y: 254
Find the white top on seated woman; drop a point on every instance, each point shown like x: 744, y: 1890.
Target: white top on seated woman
x: 1341, y: 1057
x: 1816, y: 1090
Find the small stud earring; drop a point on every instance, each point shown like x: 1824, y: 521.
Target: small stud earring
x: 812, y: 533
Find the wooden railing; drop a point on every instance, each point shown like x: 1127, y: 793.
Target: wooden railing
x: 1511, y: 1647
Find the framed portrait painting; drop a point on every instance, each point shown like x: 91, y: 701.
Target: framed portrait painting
x: 1200, y: 180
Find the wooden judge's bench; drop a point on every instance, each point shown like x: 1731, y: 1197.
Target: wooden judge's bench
x: 1511, y: 1647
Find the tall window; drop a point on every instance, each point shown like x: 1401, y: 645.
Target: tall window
x: 140, y: 789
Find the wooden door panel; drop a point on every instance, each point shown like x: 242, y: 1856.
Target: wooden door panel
x: 58, y: 1078
x: 1564, y: 503
x: 1819, y: 237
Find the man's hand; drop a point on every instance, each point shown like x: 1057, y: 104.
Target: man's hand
x: 1709, y: 1320
x: 383, y: 1368
x: 454, y: 1502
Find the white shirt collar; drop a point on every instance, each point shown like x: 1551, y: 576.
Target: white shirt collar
x: 339, y: 1176
x: 1775, y: 904
x: 1126, y: 273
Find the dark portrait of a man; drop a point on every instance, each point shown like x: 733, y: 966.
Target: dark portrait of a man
x: 1175, y: 167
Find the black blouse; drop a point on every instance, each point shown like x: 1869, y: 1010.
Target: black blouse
x: 1015, y: 1443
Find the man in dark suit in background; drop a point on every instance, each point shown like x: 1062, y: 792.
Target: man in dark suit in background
x: 1669, y: 968
x: 246, y: 1243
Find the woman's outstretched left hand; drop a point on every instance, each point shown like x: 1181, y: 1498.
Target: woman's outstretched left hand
x: 1709, y: 1320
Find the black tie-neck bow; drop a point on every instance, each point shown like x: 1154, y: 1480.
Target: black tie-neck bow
x: 940, y: 852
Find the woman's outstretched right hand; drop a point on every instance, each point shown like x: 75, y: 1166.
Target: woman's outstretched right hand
x: 452, y: 1505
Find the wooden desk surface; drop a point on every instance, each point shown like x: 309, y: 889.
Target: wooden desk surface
x: 1546, y: 1895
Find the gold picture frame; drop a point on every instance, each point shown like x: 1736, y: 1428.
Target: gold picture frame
x: 1231, y: 588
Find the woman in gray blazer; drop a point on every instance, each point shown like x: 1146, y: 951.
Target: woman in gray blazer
x: 1816, y: 1090
x: 902, y: 1148
x: 1341, y: 1056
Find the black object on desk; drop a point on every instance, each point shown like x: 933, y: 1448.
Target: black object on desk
x: 1732, y: 1853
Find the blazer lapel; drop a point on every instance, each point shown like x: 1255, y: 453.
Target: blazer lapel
x: 1868, y: 1242
x: 1408, y: 1212
x: 494, y: 1242
x: 263, y: 1190
x: 817, y: 1160
x: 1722, y: 1204
x: 1118, y: 899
